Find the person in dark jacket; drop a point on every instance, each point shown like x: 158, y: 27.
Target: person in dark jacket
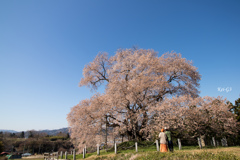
x: 169, y: 138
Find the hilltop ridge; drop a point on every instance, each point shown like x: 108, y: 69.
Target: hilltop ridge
x: 47, y: 131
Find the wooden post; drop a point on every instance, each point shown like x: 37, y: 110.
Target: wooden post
x: 83, y: 153
x: 136, y: 146
x: 179, y: 144
x: 66, y: 155
x: 98, y: 152
x: 74, y: 154
x: 157, y: 145
x: 115, y: 148
x: 214, y: 142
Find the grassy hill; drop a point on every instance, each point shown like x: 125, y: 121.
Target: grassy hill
x: 228, y: 153
x: 126, y: 151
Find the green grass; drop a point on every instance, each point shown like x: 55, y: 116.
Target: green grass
x: 153, y: 155
x: 188, y: 156
x: 147, y: 151
x: 150, y: 153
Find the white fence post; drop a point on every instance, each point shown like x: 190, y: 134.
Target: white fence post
x: 74, y: 154
x: 61, y: 155
x: 83, y: 153
x: 179, y: 144
x: 157, y: 145
x: 98, y: 152
x: 136, y: 145
x: 115, y: 148
x: 214, y: 142
x: 85, y: 149
x: 66, y: 155
x: 199, y: 142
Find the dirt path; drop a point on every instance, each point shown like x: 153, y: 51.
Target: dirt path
x: 34, y: 156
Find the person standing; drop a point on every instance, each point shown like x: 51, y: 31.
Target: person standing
x: 169, y: 138
x: 163, y: 141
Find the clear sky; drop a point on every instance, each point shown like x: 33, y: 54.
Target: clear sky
x: 44, y: 46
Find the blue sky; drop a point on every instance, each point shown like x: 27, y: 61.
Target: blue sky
x: 44, y: 46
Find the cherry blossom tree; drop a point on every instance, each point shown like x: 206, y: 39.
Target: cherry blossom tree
x: 135, y: 81
x: 194, y: 117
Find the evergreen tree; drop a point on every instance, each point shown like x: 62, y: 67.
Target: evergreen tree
x: 236, y: 109
x: 22, y: 134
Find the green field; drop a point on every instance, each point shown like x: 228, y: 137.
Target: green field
x: 150, y: 153
x: 187, y: 153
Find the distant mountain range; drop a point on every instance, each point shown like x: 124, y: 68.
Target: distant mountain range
x: 55, y: 131
x: 10, y: 131
x: 49, y: 132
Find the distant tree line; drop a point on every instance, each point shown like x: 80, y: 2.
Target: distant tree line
x: 35, y: 143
